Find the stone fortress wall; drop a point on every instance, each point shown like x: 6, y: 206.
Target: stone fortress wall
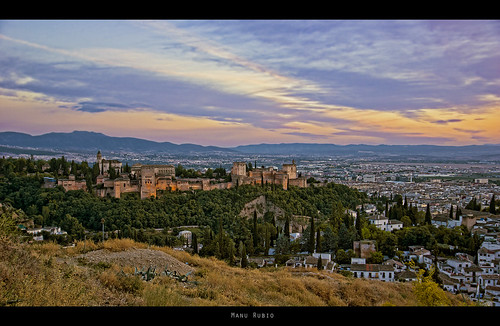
x: 148, y: 179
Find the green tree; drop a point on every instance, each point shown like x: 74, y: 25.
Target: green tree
x: 492, y: 205
x: 194, y: 243
x: 255, y: 234
x: 346, y: 237
x: 72, y: 226
x: 359, y: 224
x: 428, y: 216
x: 412, y: 215
x: 283, y: 244
x: 318, y: 241
x: 406, y: 221
x: 319, y: 265
x: 375, y: 258
x: 473, y: 205
x: 310, y: 246
x: 286, y: 228
x: 330, y: 240
x: 243, y: 255
x: 8, y: 223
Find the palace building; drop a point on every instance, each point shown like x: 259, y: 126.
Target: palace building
x: 259, y: 176
x: 149, y: 180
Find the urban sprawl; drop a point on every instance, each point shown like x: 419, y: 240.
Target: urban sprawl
x: 439, y: 187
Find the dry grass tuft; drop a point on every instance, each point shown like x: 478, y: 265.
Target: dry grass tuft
x: 122, y: 244
x: 46, y: 274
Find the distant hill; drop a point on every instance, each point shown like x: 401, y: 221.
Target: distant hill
x: 86, y: 141
x: 91, y: 142
x: 476, y: 152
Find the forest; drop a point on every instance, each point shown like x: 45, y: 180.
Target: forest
x: 220, y: 229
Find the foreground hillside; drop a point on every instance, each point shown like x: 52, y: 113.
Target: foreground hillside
x: 106, y: 275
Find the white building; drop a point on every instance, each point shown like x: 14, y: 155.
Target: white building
x: 384, y: 223
x: 379, y: 272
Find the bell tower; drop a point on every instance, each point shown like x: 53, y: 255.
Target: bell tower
x: 99, y: 161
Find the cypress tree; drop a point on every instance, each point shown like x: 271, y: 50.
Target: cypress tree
x: 244, y: 260
x: 359, y: 225
x: 255, y: 239
x: 311, y: 236
x: 428, y: 218
x: 318, y: 240
x: 492, y: 205
x: 451, y: 212
x: 411, y: 214
x: 320, y: 263
x: 287, y: 227
x: 194, y: 243
x: 267, y: 238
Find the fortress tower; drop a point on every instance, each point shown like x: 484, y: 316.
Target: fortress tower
x: 99, y: 160
x: 291, y: 170
x: 239, y: 169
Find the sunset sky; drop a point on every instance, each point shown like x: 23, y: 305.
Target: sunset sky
x: 228, y: 82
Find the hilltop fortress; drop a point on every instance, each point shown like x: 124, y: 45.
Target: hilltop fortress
x: 150, y: 180
x: 259, y: 176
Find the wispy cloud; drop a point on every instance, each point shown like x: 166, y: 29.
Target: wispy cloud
x: 325, y: 81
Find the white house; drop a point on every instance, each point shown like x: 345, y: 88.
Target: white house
x: 458, y: 265
x: 373, y: 272
x: 384, y: 223
x: 187, y: 236
x: 36, y: 232
x: 393, y: 225
x: 446, y: 221
x: 396, y: 265
x: 379, y: 221
x: 486, y: 256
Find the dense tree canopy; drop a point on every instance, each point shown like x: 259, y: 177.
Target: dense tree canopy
x: 222, y: 231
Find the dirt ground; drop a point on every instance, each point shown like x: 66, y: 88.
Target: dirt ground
x: 140, y: 258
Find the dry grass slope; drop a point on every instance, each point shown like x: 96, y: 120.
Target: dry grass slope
x: 48, y: 275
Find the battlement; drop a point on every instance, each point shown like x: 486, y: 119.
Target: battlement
x: 148, y: 179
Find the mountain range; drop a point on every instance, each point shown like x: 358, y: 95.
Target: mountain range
x: 86, y: 141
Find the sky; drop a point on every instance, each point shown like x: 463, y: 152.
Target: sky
x: 229, y: 82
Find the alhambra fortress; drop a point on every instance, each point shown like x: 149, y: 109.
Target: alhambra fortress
x: 150, y: 180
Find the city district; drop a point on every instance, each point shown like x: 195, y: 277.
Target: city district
x: 477, y: 277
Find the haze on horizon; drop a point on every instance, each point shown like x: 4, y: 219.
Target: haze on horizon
x: 229, y: 83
